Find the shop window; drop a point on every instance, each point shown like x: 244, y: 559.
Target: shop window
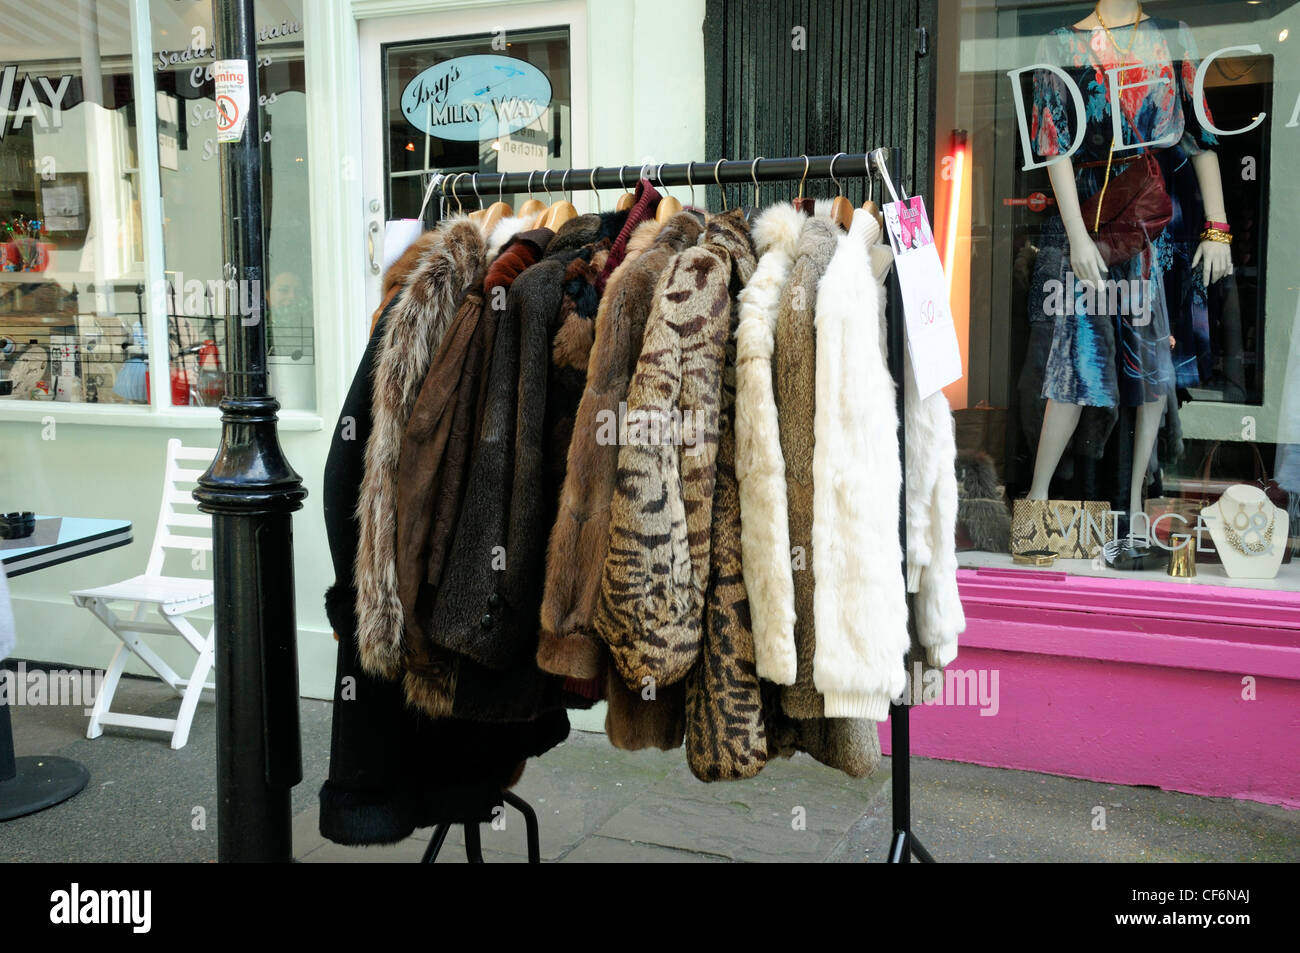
x: 499, y: 136
x: 196, y: 301
x: 72, y: 269
x: 1074, y: 385
x: 79, y: 294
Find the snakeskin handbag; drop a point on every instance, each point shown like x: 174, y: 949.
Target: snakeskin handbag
x: 1073, y: 529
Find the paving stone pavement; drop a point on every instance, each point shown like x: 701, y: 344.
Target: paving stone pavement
x: 146, y: 802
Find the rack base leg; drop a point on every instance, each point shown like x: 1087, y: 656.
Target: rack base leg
x: 905, y: 846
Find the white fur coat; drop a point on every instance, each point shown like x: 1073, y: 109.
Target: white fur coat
x: 760, y: 467
x: 859, y: 604
x: 931, y: 505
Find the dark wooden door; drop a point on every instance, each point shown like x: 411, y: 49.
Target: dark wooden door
x: 816, y: 77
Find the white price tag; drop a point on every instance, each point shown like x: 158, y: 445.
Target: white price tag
x: 931, y: 337
x: 231, y: 78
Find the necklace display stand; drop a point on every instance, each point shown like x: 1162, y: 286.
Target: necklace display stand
x: 1249, y: 532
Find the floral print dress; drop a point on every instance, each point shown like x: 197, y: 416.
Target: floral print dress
x: 1119, y: 354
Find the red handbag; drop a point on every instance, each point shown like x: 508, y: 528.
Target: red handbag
x: 1128, y: 212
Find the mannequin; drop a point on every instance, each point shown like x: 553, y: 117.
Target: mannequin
x: 1117, y: 34
x: 1259, y: 532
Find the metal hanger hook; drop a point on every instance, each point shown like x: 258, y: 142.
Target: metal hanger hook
x: 564, y: 185
x: 806, y: 163
x: 838, y: 189
x: 753, y: 175
x: 595, y: 191
x: 621, y: 170
x: 718, y: 182
x: 531, y: 173
x: 455, y: 185
x: 659, y: 174
x: 545, y: 176
x: 690, y: 179
x: 882, y: 168
x: 473, y: 181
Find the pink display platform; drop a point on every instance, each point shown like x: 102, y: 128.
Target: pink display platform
x: 1186, y: 687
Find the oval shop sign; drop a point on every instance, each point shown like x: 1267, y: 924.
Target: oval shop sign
x: 473, y: 98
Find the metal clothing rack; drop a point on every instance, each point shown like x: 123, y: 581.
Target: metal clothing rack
x: 469, y: 187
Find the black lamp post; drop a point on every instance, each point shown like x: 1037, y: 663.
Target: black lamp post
x: 251, y: 490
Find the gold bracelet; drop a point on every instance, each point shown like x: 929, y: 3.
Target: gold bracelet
x: 1216, y: 235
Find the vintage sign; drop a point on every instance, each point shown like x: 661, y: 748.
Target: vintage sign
x: 476, y: 98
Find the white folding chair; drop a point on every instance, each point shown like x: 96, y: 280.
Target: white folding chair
x: 172, y: 596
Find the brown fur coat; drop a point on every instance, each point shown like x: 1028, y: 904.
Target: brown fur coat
x: 448, y: 262
x: 651, y: 605
x: 580, y: 537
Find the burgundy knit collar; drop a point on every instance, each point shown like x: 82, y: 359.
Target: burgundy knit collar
x: 646, y: 200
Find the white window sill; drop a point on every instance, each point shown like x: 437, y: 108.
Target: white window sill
x: 128, y: 415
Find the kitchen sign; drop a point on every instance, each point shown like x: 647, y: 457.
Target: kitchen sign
x: 476, y: 98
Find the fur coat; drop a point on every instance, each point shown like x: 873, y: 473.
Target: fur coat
x: 859, y: 603
x: 725, y: 735
x: 392, y: 768
x: 931, y: 509
x: 768, y: 308
x: 760, y: 467
x: 580, y: 536
x: 487, y: 606
x: 794, y: 374
x: 449, y: 262
x: 439, y: 438
x: 651, y: 605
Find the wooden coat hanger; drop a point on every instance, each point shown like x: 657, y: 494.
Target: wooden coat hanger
x: 841, y: 208
x: 561, y: 211
x: 627, y: 199
x: 531, y: 208
x: 497, y: 211
x: 668, y: 206
x: 873, y: 208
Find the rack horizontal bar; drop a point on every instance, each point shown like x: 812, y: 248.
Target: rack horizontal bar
x: 723, y: 172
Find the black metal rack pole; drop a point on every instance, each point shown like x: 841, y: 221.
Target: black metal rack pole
x: 904, y: 843
x: 847, y: 165
x: 251, y: 490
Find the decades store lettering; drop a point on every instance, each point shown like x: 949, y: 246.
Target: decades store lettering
x: 1116, y: 87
